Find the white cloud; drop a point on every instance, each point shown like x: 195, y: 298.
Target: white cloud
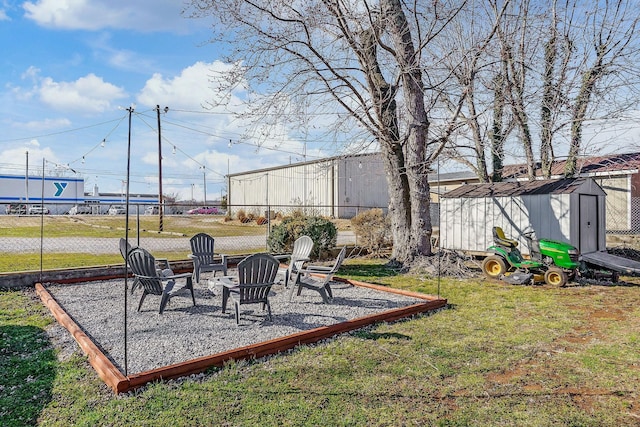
x: 32, y: 73
x: 14, y: 160
x: 4, y: 16
x: 190, y: 90
x: 123, y: 59
x: 88, y: 94
x: 40, y: 125
x: 92, y: 15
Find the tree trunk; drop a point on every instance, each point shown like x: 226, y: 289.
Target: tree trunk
x: 546, y: 134
x: 418, y: 127
x: 497, y: 129
x: 589, y: 80
x: 383, y: 96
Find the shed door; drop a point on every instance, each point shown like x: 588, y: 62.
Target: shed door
x: 588, y: 223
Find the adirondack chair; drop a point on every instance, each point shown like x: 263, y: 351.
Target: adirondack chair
x: 302, y: 248
x: 162, y: 264
x: 154, y: 282
x: 318, y: 277
x: 256, y: 275
x: 204, y: 257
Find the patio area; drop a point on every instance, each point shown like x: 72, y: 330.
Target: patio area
x: 188, y: 339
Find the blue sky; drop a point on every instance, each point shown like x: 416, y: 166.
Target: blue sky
x: 70, y: 68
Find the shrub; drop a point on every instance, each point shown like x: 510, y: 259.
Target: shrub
x: 322, y: 231
x: 372, y: 229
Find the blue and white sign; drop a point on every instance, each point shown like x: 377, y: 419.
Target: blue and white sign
x: 60, y: 186
x: 18, y: 188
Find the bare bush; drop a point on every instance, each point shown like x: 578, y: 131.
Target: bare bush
x: 372, y: 228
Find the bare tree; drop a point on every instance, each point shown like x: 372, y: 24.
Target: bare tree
x: 549, y: 98
x: 608, y: 55
x: 368, y: 59
x: 476, y: 88
x: 566, y: 62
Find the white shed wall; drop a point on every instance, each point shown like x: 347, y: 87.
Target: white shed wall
x: 470, y: 221
x: 467, y: 223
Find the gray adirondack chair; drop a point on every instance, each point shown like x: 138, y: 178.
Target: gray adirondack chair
x: 162, y: 264
x: 204, y: 257
x: 256, y: 275
x: 302, y: 248
x: 318, y: 277
x: 154, y: 282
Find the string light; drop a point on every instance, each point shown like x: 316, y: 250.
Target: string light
x: 102, y: 143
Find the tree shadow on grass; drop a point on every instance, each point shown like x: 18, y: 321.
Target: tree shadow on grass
x: 28, y: 365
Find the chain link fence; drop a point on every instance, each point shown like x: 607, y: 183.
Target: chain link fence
x: 623, y: 218
x: 63, y: 235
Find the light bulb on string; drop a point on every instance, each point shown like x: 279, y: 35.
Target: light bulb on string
x: 102, y: 143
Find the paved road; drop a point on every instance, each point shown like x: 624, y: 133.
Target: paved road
x: 109, y: 245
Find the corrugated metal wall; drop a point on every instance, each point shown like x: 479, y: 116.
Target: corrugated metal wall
x: 362, y: 185
x: 337, y: 187
x: 284, y: 190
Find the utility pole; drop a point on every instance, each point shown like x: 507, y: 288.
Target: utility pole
x: 204, y: 182
x: 126, y: 237
x: 26, y: 182
x: 160, y: 202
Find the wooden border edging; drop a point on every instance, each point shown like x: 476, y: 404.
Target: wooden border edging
x: 101, y: 363
x: 120, y: 384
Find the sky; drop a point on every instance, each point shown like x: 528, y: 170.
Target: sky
x: 73, y: 71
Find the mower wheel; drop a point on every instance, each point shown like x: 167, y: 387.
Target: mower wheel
x: 494, y: 266
x: 555, y: 277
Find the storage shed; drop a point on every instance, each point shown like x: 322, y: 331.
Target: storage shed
x: 568, y: 210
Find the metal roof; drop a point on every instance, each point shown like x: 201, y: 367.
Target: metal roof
x: 597, y: 165
x: 520, y: 188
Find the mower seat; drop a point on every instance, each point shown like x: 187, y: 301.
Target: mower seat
x: 500, y: 239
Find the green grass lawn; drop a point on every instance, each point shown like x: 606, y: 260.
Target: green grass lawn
x: 500, y: 355
x: 106, y: 226
x: 113, y: 226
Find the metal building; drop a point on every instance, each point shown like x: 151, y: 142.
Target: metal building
x: 337, y: 187
x: 59, y: 194
x: 569, y: 210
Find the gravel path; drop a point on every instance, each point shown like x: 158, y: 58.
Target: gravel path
x: 184, y: 332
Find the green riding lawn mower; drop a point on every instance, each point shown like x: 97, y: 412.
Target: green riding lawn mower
x: 551, y: 261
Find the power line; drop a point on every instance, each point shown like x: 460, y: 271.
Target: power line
x: 60, y: 132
